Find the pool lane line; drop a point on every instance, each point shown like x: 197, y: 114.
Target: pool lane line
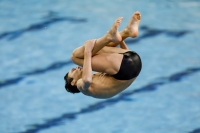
x: 11, y: 35
x: 152, y: 32
x: 54, y: 66
x: 195, y: 131
x: 124, y: 96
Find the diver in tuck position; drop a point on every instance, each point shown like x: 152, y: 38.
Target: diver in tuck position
x: 116, y: 68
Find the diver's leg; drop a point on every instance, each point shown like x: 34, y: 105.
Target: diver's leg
x: 111, y: 36
x: 131, y: 29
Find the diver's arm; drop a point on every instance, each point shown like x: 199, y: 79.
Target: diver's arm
x: 84, y: 83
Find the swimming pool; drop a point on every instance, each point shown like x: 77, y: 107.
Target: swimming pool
x: 37, y: 38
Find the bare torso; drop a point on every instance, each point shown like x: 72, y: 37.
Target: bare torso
x: 105, y: 86
x: 106, y: 64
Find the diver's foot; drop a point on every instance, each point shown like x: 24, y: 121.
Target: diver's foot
x: 131, y: 29
x: 113, y: 34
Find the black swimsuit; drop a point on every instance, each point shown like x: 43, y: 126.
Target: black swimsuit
x: 131, y: 66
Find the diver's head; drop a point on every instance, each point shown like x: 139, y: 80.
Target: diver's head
x: 71, y: 79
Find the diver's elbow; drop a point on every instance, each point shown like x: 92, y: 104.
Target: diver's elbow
x: 87, y: 81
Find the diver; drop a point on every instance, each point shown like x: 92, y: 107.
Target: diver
x: 116, y: 67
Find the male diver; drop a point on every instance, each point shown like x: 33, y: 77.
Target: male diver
x: 116, y: 68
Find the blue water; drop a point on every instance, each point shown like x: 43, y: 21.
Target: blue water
x: 37, y: 38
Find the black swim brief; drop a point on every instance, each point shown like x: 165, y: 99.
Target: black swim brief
x: 131, y: 66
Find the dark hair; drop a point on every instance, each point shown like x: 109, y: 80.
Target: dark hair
x: 68, y: 86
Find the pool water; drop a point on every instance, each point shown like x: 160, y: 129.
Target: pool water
x: 38, y: 37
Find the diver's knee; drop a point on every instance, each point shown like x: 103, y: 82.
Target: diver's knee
x: 78, y: 52
x: 72, y: 57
